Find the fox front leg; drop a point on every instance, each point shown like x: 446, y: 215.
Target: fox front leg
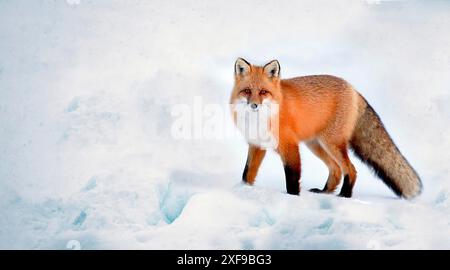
x: 290, y: 156
x: 254, y: 159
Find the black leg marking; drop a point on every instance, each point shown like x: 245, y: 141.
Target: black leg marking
x: 244, y: 175
x: 346, y: 190
x: 292, y: 179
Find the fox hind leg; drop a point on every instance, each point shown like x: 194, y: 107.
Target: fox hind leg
x: 340, y: 154
x: 334, y: 176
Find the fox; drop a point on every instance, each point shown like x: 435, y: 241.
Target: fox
x: 327, y: 114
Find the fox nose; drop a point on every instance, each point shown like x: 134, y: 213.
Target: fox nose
x: 254, y: 106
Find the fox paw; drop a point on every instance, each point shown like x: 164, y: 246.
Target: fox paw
x: 317, y: 190
x: 345, y: 195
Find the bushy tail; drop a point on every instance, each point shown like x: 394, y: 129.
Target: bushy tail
x: 372, y: 144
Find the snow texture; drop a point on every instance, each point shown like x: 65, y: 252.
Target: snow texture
x: 87, y: 159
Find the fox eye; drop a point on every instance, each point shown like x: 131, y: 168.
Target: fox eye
x: 263, y: 92
x: 247, y: 91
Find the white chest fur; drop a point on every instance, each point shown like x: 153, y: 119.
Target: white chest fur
x: 259, y: 126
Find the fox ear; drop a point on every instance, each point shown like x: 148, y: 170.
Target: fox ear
x: 241, y: 67
x: 272, y: 69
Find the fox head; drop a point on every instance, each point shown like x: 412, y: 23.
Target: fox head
x: 256, y: 85
x: 255, y: 98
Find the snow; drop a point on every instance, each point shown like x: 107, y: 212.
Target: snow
x: 87, y: 157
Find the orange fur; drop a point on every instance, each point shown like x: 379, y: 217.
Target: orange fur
x: 322, y: 111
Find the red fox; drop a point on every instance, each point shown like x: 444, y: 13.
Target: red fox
x: 328, y: 115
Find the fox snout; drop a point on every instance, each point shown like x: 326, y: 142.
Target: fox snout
x: 254, y: 105
x: 249, y: 104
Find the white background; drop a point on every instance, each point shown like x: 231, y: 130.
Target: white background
x: 86, y: 154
